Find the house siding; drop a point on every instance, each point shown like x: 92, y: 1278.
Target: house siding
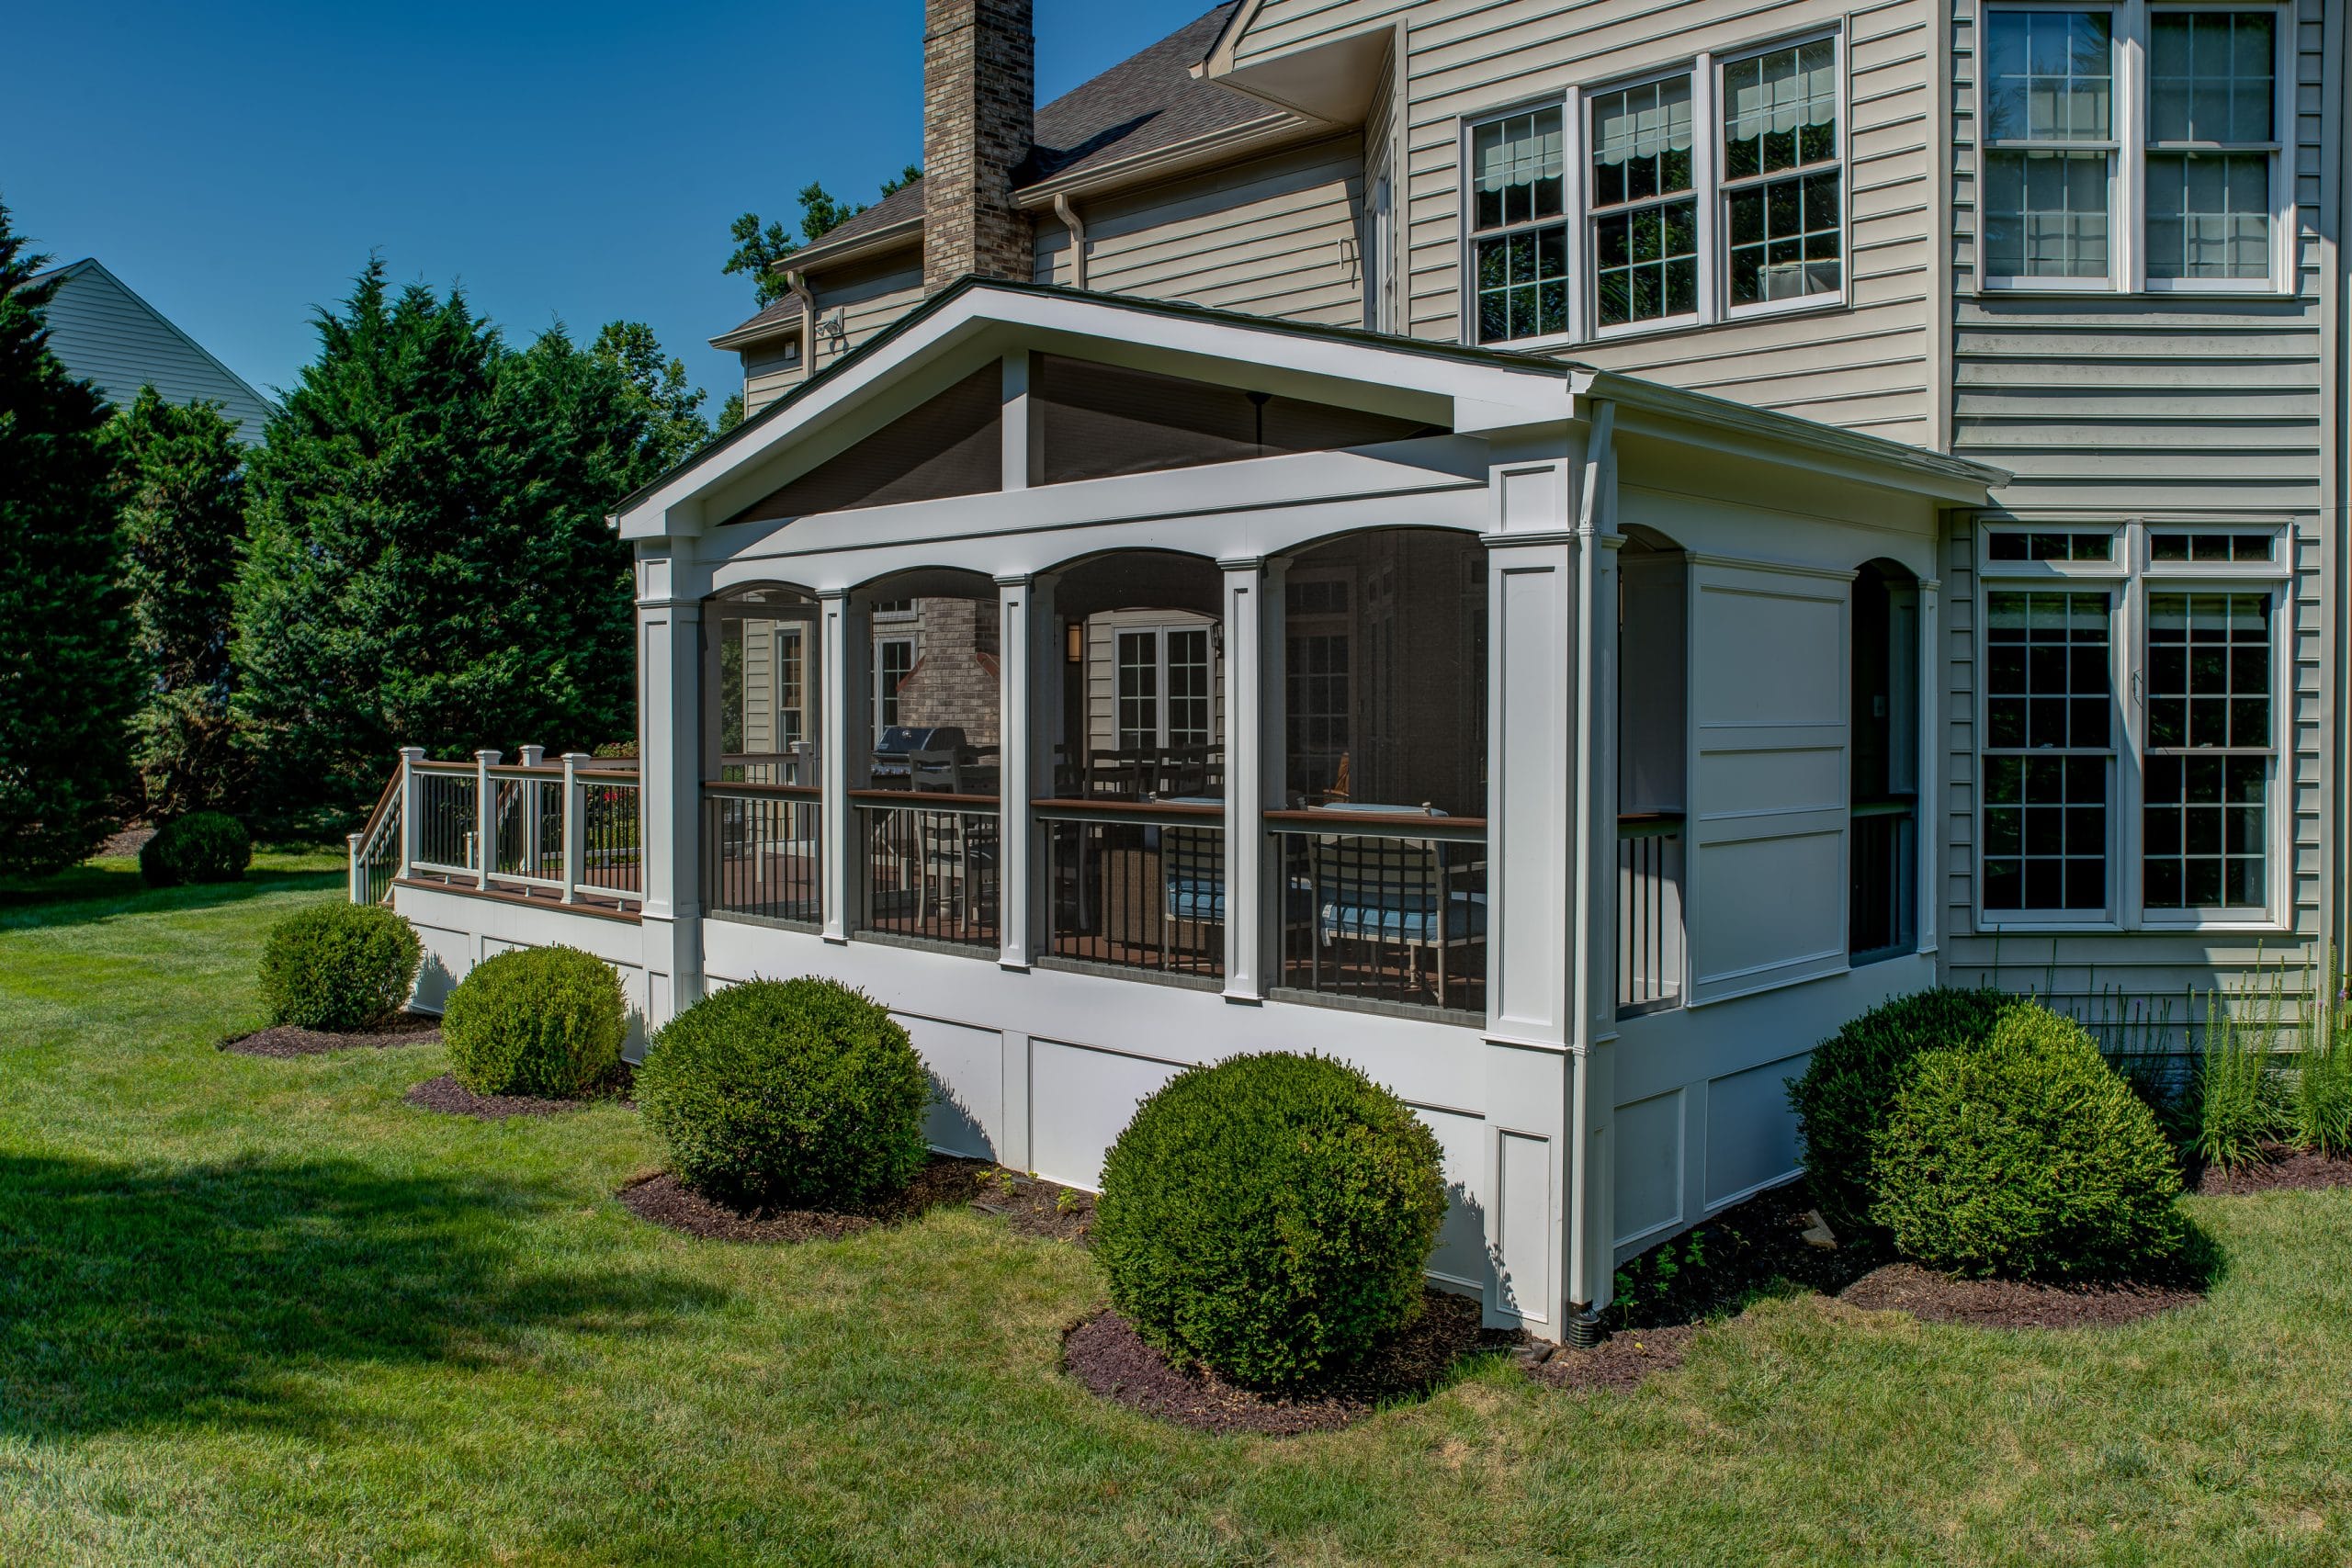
x: 1864, y: 365
x: 105, y: 334
x: 2118, y: 406
x: 1276, y: 236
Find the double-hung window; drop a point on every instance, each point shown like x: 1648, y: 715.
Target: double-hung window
x: 1166, y: 694
x: 1691, y: 197
x: 1644, y: 205
x: 2129, y: 750
x: 2133, y: 146
x: 1519, y: 226
x: 1782, y: 175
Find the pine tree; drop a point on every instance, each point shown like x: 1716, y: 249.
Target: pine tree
x: 67, y: 683
x: 673, y: 408
x: 179, y: 477
x: 429, y: 562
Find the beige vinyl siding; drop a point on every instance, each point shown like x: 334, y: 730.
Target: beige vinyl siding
x: 1102, y: 631
x: 104, y: 334
x: 2161, y: 406
x: 1863, y: 366
x: 1275, y: 236
x: 866, y: 299
x: 767, y: 374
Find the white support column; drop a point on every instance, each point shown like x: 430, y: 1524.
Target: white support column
x: 1930, y: 832
x: 669, y: 659
x: 1016, y: 654
x: 412, y: 828
x: 356, y: 884
x: 575, y: 840
x: 836, y: 830
x: 485, y: 817
x: 1246, y: 794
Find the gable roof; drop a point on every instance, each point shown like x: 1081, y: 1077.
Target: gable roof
x: 105, y: 334
x: 1464, y: 372
x: 1147, y: 103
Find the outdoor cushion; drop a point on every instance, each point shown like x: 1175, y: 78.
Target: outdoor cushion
x: 1394, y: 923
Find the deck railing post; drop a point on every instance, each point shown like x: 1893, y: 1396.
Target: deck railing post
x: 485, y: 817
x: 358, y: 879
x: 527, y: 800
x: 412, y: 815
x: 575, y: 810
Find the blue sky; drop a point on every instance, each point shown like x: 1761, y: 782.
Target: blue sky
x: 236, y: 164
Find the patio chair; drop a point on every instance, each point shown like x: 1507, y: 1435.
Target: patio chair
x: 1397, y: 893
x: 955, y: 866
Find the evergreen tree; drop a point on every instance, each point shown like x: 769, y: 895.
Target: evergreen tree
x: 67, y: 683
x: 731, y: 413
x: 429, y: 562
x: 657, y: 383
x: 179, y: 478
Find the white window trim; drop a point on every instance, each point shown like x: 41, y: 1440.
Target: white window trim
x: 2128, y: 578
x: 1714, y: 308
x: 2127, y: 180
x: 915, y: 657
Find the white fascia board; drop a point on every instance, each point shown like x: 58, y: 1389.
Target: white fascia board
x: 1253, y: 507
x: 1360, y: 373
x: 1718, y: 424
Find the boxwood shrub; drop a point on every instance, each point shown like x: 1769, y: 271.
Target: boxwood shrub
x: 1847, y: 1088
x: 203, y: 846
x: 2025, y: 1156
x: 338, y: 966
x: 787, y: 1094
x: 538, y: 1021
x: 1270, y: 1216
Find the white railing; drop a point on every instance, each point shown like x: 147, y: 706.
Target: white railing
x: 572, y: 830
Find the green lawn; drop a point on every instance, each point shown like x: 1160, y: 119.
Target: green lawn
x: 257, y: 1312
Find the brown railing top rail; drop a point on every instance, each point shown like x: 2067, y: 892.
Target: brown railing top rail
x: 1381, y: 825
x: 918, y: 798
x: 1885, y: 805
x: 1111, y: 809
x: 780, y: 791
x: 1648, y: 824
x: 383, y: 804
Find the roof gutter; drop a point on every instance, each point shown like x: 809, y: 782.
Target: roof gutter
x: 1266, y: 133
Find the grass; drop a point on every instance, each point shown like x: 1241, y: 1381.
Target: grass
x: 261, y: 1311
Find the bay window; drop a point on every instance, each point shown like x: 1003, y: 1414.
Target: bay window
x: 2130, y: 147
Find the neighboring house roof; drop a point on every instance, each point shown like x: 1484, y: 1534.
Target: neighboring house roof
x: 107, y: 336
x: 1147, y: 103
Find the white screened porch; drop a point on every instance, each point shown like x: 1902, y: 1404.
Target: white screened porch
x: 1519, y: 734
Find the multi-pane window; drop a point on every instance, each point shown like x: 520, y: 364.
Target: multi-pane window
x: 2210, y: 752
x: 1644, y: 210
x: 2052, y: 544
x: 1781, y: 174
x: 1138, y: 693
x: 792, y: 683
x: 1165, y: 693
x: 894, y: 660
x: 2211, y: 131
x: 1521, y: 240
x: 1191, y: 711
x: 2049, y: 745
x: 2212, y: 548
x: 2049, y: 144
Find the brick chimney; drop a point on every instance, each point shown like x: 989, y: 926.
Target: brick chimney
x: 979, y: 113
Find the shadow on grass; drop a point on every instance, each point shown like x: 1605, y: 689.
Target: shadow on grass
x: 84, y: 894
x: 136, y: 1298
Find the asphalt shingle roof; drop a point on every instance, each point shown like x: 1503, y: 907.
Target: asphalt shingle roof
x: 1146, y: 102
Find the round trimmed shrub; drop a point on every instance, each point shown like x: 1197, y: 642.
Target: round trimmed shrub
x: 538, y: 1020
x: 787, y: 1094
x: 1849, y: 1086
x: 338, y: 966
x: 203, y: 846
x: 1269, y: 1215
x: 2027, y: 1157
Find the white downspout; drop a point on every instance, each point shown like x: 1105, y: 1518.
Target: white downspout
x: 1065, y: 210
x: 1583, y: 1325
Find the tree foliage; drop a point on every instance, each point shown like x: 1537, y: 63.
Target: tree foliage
x: 758, y: 248
x: 675, y: 428
x: 429, y: 562
x: 179, y: 477
x: 67, y: 683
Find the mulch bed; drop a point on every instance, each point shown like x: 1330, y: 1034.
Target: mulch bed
x: 283, y: 1039
x: 128, y: 841
x: 1106, y: 1355
x: 446, y: 1095
x: 1616, y: 1365
x: 2009, y: 1303
x: 2282, y: 1168
x: 1034, y: 1206
x: 666, y: 1201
